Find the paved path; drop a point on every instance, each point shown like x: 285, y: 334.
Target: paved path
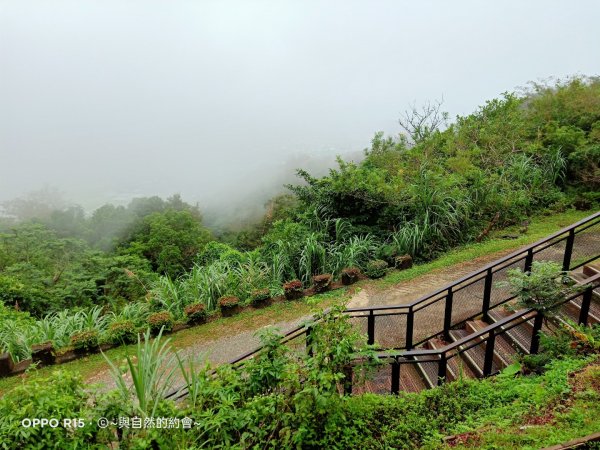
x: 408, y: 291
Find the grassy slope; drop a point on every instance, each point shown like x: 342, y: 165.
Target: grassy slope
x: 574, y: 415
x: 223, y: 327
x: 526, y: 412
x: 539, y: 228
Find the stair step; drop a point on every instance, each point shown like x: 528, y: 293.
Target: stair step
x: 581, y: 276
x: 456, y: 366
x: 519, y: 335
x: 572, y: 310
x: 504, y: 352
x: 589, y: 270
x: 578, y: 275
x: 379, y: 383
x: 428, y: 370
x: 410, y: 378
x: 475, y: 356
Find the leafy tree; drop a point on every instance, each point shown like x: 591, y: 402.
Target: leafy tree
x: 108, y: 226
x: 169, y: 240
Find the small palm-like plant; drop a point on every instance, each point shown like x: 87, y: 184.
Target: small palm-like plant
x: 195, y: 377
x: 543, y: 289
x: 312, y: 258
x: 94, y: 319
x: 355, y: 252
x: 16, y: 341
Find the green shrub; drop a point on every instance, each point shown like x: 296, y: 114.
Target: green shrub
x: 159, y: 320
x: 60, y: 396
x: 535, y: 363
x: 122, y: 331
x: 195, y: 313
x: 259, y: 296
x: 85, y: 340
x: 376, y: 268
x: 322, y: 283
x: 293, y: 290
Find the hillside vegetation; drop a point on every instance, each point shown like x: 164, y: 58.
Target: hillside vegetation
x: 286, y: 399
x: 421, y: 193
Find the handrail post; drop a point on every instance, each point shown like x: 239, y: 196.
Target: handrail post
x: 410, y: 320
x: 442, y: 368
x: 448, y: 315
x: 489, y: 353
x: 395, y: 376
x: 487, y: 294
x: 309, y: 341
x: 569, y: 250
x: 371, y: 328
x: 535, y: 338
x: 528, y: 260
x: 585, y: 305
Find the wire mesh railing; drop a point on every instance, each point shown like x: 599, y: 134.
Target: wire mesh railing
x: 407, y: 326
x: 388, y: 376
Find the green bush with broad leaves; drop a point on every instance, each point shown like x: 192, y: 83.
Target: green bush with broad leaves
x: 61, y: 396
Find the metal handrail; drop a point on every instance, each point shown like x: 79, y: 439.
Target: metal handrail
x: 479, y: 337
x: 491, y: 265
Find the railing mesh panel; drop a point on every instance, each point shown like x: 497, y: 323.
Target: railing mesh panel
x: 297, y: 343
x: 429, y: 320
x: 586, y: 245
x: 555, y: 253
x: 430, y: 369
x: 467, y: 301
x: 360, y: 324
x: 499, y: 294
x: 390, y: 331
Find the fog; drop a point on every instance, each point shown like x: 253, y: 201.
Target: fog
x: 219, y: 100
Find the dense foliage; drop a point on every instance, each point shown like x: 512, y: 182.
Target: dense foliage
x: 419, y: 195
x: 288, y: 399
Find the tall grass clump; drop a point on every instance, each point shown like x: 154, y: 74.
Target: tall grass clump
x: 312, y: 258
x: 357, y: 251
x: 168, y: 295
x: 152, y: 369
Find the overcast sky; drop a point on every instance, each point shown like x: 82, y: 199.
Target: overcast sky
x: 106, y: 100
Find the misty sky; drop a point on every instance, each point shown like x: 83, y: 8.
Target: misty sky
x: 106, y: 100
